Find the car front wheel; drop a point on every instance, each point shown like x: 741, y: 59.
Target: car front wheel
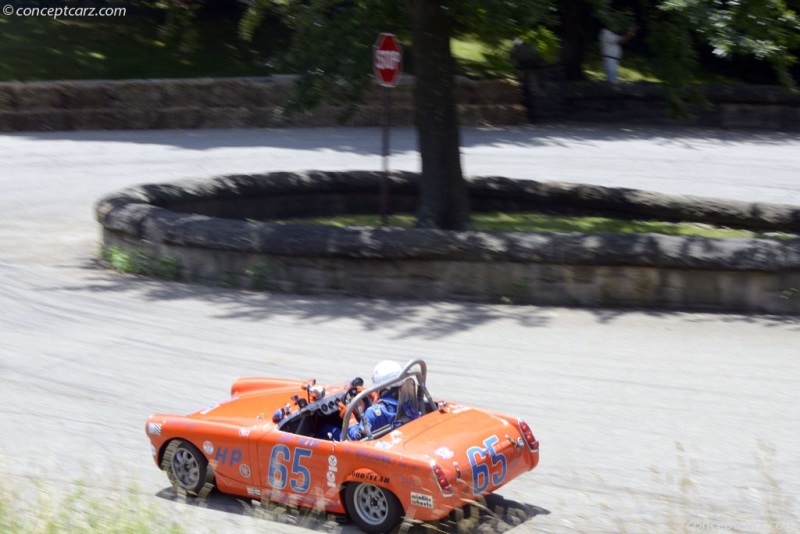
x: 374, y: 509
x: 187, y: 469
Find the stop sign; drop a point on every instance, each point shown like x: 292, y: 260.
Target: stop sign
x: 387, y: 60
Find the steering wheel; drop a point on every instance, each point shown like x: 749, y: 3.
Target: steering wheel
x: 353, y: 392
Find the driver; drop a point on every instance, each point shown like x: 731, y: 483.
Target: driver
x: 384, y: 409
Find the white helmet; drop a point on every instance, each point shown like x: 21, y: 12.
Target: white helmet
x: 385, y: 371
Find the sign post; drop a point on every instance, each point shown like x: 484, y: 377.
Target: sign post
x: 387, y: 63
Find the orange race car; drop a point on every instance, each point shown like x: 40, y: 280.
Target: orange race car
x: 311, y: 445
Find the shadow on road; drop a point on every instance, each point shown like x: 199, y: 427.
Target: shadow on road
x: 490, y: 514
x: 408, y: 318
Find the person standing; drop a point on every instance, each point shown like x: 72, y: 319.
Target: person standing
x: 611, y: 50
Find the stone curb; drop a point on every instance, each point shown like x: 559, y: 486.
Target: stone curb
x: 196, y: 216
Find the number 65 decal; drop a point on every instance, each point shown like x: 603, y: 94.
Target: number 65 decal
x: 480, y: 471
x: 278, y: 473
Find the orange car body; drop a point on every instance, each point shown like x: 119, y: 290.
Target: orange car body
x: 433, y: 464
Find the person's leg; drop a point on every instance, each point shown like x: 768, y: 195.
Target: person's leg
x: 611, y: 68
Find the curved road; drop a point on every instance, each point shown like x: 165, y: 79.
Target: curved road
x: 649, y: 422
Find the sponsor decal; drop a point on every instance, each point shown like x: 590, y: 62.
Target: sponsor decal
x: 208, y: 448
x: 408, y: 466
x: 154, y: 429
x: 332, y: 469
x: 375, y: 457
x: 385, y: 445
x: 244, y: 470
x: 370, y: 477
x: 254, y: 492
x: 444, y: 452
x: 420, y: 499
x: 222, y: 457
x: 244, y: 432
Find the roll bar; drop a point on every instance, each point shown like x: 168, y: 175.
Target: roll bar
x: 420, y: 375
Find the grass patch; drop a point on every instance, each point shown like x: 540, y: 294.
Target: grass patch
x: 43, y: 48
x: 140, y: 262
x: 478, y: 60
x: 537, y: 222
x: 77, y: 511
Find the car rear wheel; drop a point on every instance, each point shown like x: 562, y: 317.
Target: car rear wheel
x: 374, y: 509
x: 187, y: 469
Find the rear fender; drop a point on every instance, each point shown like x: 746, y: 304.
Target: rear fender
x: 368, y: 476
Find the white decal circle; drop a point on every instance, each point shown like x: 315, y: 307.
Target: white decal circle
x: 244, y: 470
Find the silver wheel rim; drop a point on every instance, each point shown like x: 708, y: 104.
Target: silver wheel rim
x: 186, y: 469
x: 371, y: 504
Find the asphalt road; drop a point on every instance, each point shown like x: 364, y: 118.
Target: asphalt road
x: 649, y: 422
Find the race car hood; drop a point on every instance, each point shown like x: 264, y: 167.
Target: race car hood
x: 246, y: 409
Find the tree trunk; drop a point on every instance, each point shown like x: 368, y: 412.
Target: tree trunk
x: 577, y: 23
x: 444, y: 200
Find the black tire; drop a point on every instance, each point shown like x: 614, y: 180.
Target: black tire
x: 187, y: 469
x: 372, y: 508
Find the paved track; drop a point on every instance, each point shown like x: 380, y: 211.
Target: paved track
x: 649, y: 422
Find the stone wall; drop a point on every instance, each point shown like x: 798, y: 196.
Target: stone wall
x: 197, y: 225
x: 260, y: 102
x: 221, y: 103
x: 729, y: 106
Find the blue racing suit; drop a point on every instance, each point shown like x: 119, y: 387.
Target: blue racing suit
x: 378, y: 415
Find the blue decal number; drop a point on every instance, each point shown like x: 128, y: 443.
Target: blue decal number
x: 305, y: 476
x: 278, y: 473
x: 481, y: 471
x: 277, y: 468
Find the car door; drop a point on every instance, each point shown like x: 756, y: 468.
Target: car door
x: 299, y: 470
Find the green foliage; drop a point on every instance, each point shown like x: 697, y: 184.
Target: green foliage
x: 137, y: 261
x: 180, y: 29
x: 493, y: 21
x: 545, y: 41
x: 42, y: 48
x: 675, y: 60
x: 331, y: 44
x: 765, y: 29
